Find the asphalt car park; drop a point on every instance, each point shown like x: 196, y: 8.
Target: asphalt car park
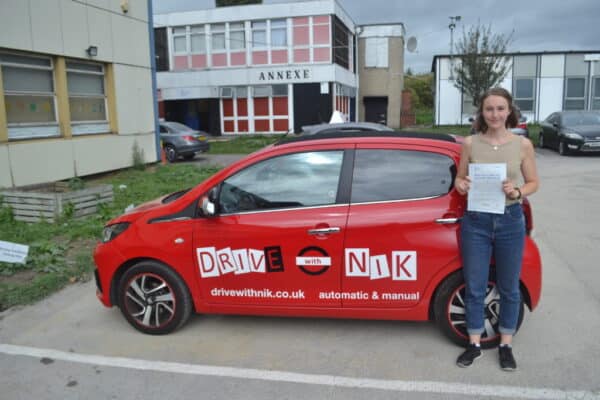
x: 98, y: 355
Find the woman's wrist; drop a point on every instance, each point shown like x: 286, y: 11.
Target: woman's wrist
x: 516, y: 196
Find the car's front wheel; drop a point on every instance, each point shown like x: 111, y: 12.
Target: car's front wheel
x: 153, y: 298
x: 450, y: 312
x: 562, y: 148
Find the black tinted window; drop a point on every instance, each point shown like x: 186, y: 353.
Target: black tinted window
x: 381, y: 175
x: 294, y: 180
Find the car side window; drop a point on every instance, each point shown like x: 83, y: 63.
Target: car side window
x: 384, y: 175
x: 292, y: 180
x: 163, y: 129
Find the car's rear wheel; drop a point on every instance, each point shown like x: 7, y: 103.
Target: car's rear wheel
x: 450, y: 316
x: 562, y: 148
x: 171, y: 153
x: 153, y: 298
x: 541, y: 141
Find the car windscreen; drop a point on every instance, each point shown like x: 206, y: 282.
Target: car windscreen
x: 581, y: 119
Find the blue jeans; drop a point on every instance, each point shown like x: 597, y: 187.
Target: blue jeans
x: 503, y: 235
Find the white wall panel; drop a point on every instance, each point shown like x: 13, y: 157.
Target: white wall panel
x: 5, y: 180
x: 74, y: 28
x: 41, y: 161
x: 553, y: 65
x: 100, y: 27
x: 15, y: 25
x: 110, y: 152
x: 134, y: 99
x: 46, y: 25
x: 449, y: 99
x: 130, y: 41
x: 551, y: 95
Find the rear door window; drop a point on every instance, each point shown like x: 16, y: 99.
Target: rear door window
x: 387, y: 175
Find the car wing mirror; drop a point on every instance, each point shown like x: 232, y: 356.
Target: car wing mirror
x: 208, y: 202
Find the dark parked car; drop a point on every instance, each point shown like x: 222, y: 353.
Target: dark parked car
x: 521, y: 129
x: 571, y: 132
x: 180, y: 140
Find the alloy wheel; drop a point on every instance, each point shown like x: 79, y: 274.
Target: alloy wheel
x: 149, y: 300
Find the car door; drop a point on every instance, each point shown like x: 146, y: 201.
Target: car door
x: 278, y: 234
x: 551, y: 130
x: 402, y: 224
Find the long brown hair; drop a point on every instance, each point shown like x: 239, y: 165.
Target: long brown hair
x: 511, y: 121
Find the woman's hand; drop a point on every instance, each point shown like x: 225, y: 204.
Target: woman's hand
x: 510, y: 189
x: 462, y: 185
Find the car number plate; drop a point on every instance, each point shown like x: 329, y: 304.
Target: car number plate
x: 201, y: 138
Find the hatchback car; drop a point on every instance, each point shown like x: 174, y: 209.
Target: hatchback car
x: 179, y: 140
x: 571, y: 132
x: 341, y: 225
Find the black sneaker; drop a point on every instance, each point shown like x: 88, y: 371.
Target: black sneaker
x: 471, y: 353
x: 507, y: 361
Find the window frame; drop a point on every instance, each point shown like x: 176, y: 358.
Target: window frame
x: 280, y: 27
x: 255, y: 28
x: 567, y: 98
x: 518, y: 100
x: 22, y: 130
x: 200, y: 32
x: 238, y: 27
x: 340, y: 197
x: 218, y: 30
x: 185, y: 36
x: 83, y: 127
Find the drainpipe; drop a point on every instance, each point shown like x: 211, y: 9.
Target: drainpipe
x: 153, y: 71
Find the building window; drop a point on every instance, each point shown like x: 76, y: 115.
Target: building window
x: 376, y: 53
x: 524, y: 91
x: 29, y: 96
x: 87, y: 98
x: 596, y: 97
x: 341, y: 46
x: 237, y: 36
x: 198, y: 39
x: 575, y: 94
x: 217, y: 33
x: 278, y: 33
x: 180, y: 40
x: 259, y: 34
x: 468, y: 107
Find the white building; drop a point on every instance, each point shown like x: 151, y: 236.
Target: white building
x: 75, y: 88
x: 541, y: 83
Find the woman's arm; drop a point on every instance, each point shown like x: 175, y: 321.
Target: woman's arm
x: 462, y: 183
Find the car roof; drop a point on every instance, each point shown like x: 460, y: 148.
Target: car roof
x: 367, y: 134
x: 342, y: 126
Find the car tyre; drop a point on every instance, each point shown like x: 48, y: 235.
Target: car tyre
x: 541, y: 143
x: 449, y: 311
x: 170, y: 153
x: 562, y: 148
x: 153, y: 298
x: 188, y: 157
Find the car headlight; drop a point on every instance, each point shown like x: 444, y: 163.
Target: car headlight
x: 574, y: 136
x: 112, y: 231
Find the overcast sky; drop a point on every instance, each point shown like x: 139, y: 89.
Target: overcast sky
x: 539, y: 25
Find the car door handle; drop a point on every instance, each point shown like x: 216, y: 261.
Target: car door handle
x: 323, y: 231
x: 447, y: 221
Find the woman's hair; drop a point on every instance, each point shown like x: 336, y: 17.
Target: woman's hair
x: 511, y: 121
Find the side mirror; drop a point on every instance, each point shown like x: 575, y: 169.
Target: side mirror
x: 208, y: 202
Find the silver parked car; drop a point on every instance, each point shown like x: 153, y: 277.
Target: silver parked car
x: 179, y: 140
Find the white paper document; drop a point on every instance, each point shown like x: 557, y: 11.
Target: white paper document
x: 486, y: 194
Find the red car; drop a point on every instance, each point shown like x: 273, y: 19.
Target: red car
x: 342, y: 225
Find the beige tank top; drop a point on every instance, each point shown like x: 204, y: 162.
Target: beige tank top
x: 509, y: 153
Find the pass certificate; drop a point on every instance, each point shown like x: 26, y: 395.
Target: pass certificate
x: 486, y: 194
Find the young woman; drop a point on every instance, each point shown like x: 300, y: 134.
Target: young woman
x: 484, y: 234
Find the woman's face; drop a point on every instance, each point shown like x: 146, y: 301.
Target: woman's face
x: 495, y: 111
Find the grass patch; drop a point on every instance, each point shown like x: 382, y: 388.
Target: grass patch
x: 243, y: 144
x: 61, y: 252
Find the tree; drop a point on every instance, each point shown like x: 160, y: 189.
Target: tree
x: 483, y: 60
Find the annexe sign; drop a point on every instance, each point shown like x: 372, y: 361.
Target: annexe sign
x: 291, y: 74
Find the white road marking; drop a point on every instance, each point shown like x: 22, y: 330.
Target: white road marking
x: 310, y: 379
